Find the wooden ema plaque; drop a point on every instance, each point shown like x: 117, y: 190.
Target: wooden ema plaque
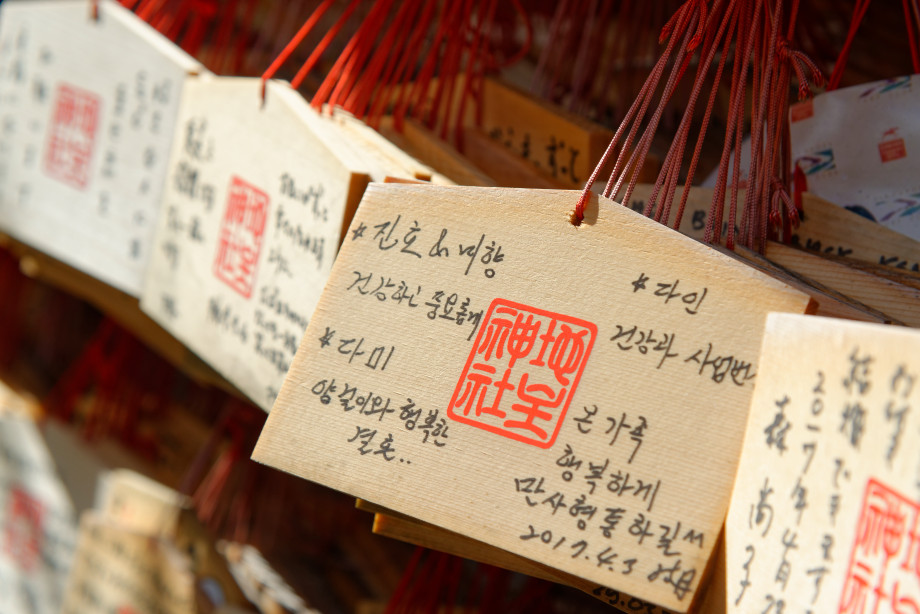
x: 38, y: 525
x: 826, y: 509
x: 479, y: 363
x: 825, y: 228
x: 118, y: 570
x: 253, y: 211
x: 88, y: 112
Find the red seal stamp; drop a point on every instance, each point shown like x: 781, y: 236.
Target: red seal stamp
x: 802, y: 110
x: 892, y: 146
x: 72, y: 135
x: 884, y: 571
x: 23, y: 529
x: 522, y: 372
x: 240, y: 239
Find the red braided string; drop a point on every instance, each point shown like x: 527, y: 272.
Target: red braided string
x: 453, y: 56
x: 859, y: 11
x: 295, y: 42
x: 475, y: 65
x: 417, y: 99
x: 401, y: 75
x: 640, y: 152
x: 672, y: 165
x: 396, y: 600
x: 539, y: 75
x: 385, y: 55
x: 147, y: 8
x: 321, y: 47
x: 331, y: 86
x: 732, y: 16
x: 367, y: 36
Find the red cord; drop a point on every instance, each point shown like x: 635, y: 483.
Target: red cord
x: 453, y: 55
x: 323, y: 45
x: 671, y: 170
x: 326, y: 87
x: 294, y: 43
x: 475, y: 66
x: 528, y: 38
x: 148, y: 7
x: 446, y: 22
x: 401, y: 75
x: 859, y: 11
x: 385, y: 53
x: 911, y: 37
x: 357, y: 51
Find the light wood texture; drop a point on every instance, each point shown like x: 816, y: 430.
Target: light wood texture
x: 507, y: 168
x: 898, y: 300
x: 477, y: 480
x: 115, y: 569
x: 829, y: 302
x: 538, y: 138
x: 251, y: 222
x: 696, y: 211
x: 133, y: 503
x: 87, y: 133
x: 137, y: 503
x: 424, y: 145
x: 372, y: 143
x: 825, y: 512
x: 825, y: 228
x: 901, y: 276
x: 562, y: 145
x: 18, y: 402
x: 832, y: 230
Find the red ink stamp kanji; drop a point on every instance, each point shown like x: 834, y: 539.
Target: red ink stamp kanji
x: 23, y: 529
x: 892, y: 146
x: 802, y: 110
x: 884, y: 571
x: 240, y: 239
x: 72, y: 135
x: 522, y: 372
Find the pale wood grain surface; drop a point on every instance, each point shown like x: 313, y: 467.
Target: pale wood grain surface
x: 478, y: 481
x: 89, y: 111
x: 834, y: 409
x: 239, y: 290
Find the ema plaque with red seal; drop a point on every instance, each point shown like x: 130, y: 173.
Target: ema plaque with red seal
x: 72, y: 135
x: 23, y: 530
x: 884, y: 571
x: 522, y: 372
x: 240, y: 239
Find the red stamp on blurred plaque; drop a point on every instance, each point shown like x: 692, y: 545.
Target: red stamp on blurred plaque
x: 884, y: 571
x: 240, y: 239
x: 522, y: 372
x: 72, y: 135
x: 892, y: 146
x: 23, y: 529
x: 802, y: 110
